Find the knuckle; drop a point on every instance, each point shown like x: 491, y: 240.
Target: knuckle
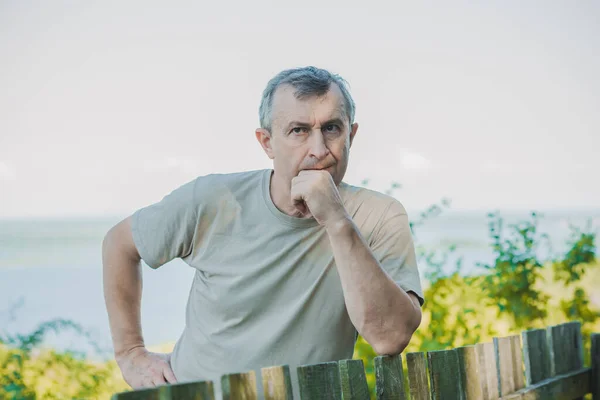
x: 156, y: 376
x: 156, y: 368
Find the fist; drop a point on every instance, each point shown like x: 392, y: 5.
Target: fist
x: 314, y: 193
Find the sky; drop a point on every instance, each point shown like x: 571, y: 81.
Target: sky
x: 106, y: 107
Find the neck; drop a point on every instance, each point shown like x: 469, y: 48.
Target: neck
x: 280, y: 191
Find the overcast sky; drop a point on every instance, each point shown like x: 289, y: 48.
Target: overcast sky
x: 108, y: 106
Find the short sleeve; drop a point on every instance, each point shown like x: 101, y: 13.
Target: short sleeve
x: 165, y: 230
x: 394, y: 248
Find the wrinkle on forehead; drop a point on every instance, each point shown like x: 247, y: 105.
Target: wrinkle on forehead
x: 306, y: 109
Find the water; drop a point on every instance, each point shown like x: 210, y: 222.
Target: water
x: 52, y: 269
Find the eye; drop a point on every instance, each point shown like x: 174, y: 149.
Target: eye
x: 332, y: 128
x: 299, y: 130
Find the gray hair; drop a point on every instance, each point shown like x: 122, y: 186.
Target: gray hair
x: 308, y: 81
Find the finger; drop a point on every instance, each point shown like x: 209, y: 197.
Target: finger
x: 159, y: 380
x: 297, y: 197
x: 303, y: 176
x: 146, y: 383
x: 308, y: 172
x: 141, y: 382
x: 137, y: 385
x: 297, y: 193
x: 169, y: 375
x: 296, y: 181
x: 301, y: 206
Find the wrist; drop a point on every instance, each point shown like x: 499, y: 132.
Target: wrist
x: 124, y: 352
x: 340, y: 225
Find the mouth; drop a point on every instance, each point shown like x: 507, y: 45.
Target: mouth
x: 317, y: 168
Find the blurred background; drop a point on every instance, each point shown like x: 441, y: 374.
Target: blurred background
x: 482, y: 119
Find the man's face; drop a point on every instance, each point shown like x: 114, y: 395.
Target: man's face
x: 312, y: 133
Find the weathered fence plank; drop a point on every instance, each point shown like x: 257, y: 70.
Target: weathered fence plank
x: 389, y: 378
x: 277, y: 383
x: 193, y: 391
x: 561, y: 387
x: 157, y: 393
x: 470, y: 378
x: 239, y: 386
x: 510, y: 364
x: 553, y: 359
x: 488, y: 370
x: 536, y: 354
x: 353, y: 380
x: 566, y: 347
x: 595, y: 378
x: 320, y: 381
x: 444, y: 374
x: 517, y: 358
x: 417, y: 376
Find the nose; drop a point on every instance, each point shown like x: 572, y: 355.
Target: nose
x: 318, y: 148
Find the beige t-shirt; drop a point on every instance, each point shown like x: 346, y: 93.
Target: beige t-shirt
x: 266, y: 290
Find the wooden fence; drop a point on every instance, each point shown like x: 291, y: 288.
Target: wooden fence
x: 538, y: 364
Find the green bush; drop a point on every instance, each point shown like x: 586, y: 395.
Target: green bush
x: 28, y: 371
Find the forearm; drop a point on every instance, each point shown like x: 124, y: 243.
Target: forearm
x: 122, y: 277
x: 383, y: 313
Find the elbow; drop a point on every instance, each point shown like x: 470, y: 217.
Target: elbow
x: 395, y: 343
x: 390, y: 348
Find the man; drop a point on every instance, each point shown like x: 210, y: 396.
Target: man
x: 291, y: 262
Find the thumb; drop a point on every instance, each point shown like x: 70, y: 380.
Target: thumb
x: 168, y: 373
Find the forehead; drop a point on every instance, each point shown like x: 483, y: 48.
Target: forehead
x: 286, y: 106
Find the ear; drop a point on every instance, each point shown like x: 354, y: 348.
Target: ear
x: 264, y: 138
x: 353, y: 130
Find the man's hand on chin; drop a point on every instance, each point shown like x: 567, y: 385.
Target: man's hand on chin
x: 314, y: 193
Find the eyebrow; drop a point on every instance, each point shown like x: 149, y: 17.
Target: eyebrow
x: 338, y: 121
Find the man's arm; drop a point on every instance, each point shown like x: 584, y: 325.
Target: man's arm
x: 122, y: 278
x: 382, y: 312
